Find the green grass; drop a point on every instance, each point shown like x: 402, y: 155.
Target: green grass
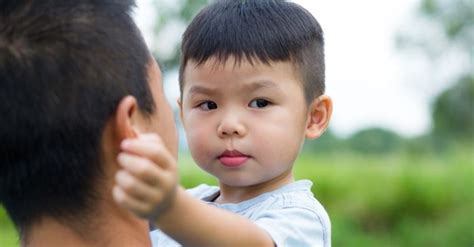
x: 395, y: 200
x: 8, y: 235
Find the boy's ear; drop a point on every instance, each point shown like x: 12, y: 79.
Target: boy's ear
x: 319, y: 114
x: 126, y: 119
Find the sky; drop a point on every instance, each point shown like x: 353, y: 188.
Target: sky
x: 372, y: 83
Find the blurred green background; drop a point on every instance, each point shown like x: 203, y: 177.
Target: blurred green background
x: 380, y: 188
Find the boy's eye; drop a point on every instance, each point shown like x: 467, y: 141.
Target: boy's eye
x: 259, y: 103
x: 208, y: 105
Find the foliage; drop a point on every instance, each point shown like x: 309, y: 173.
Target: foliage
x: 456, y: 18
x: 442, y: 26
x: 374, y: 140
x: 452, y: 110
x: 328, y: 143
x: 175, y: 12
x: 453, y: 113
x: 8, y: 235
x: 396, y: 201
x: 453, y: 116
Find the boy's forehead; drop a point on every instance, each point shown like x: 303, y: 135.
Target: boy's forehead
x: 234, y: 63
x: 244, y: 70
x: 216, y: 63
x: 240, y: 67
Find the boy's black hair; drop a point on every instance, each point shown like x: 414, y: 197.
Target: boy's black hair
x: 266, y: 30
x: 64, y: 67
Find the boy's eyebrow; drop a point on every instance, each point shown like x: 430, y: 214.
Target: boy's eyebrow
x: 196, y: 89
x: 253, y: 86
x: 261, y: 84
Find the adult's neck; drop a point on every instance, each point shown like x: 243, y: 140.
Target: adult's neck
x: 116, y: 227
x: 109, y: 224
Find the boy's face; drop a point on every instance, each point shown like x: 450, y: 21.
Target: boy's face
x: 244, y: 123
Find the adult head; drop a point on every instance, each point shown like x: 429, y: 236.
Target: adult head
x: 75, y: 79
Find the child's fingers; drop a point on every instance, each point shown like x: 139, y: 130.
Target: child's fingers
x: 136, y: 206
x: 140, y: 167
x: 150, y: 146
x: 136, y: 188
x: 149, y: 137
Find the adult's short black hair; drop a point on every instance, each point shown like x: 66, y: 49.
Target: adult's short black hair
x: 266, y: 30
x: 64, y: 67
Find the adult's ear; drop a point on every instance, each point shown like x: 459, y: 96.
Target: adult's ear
x: 126, y: 118
x: 319, y: 114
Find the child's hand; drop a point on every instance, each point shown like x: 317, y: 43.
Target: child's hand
x: 147, y: 183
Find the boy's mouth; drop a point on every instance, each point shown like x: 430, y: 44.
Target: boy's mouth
x: 233, y: 158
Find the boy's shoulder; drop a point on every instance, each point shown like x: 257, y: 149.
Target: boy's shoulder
x: 294, y: 217
x: 296, y: 195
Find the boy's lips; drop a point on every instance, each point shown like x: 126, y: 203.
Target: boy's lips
x: 233, y: 158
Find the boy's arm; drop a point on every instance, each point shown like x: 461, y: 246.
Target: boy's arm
x: 193, y: 223
x: 148, y: 186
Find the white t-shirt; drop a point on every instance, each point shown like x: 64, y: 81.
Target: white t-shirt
x: 291, y: 215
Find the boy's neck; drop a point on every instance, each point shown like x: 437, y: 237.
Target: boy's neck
x: 236, y: 194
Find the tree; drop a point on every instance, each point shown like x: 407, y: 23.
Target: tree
x: 375, y: 141
x: 455, y: 17
x: 453, y: 111
x: 447, y: 26
x: 328, y: 143
x: 441, y: 26
x: 172, y: 17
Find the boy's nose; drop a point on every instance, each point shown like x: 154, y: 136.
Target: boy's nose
x: 231, y: 126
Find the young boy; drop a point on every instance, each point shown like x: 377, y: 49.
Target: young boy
x: 252, y: 89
